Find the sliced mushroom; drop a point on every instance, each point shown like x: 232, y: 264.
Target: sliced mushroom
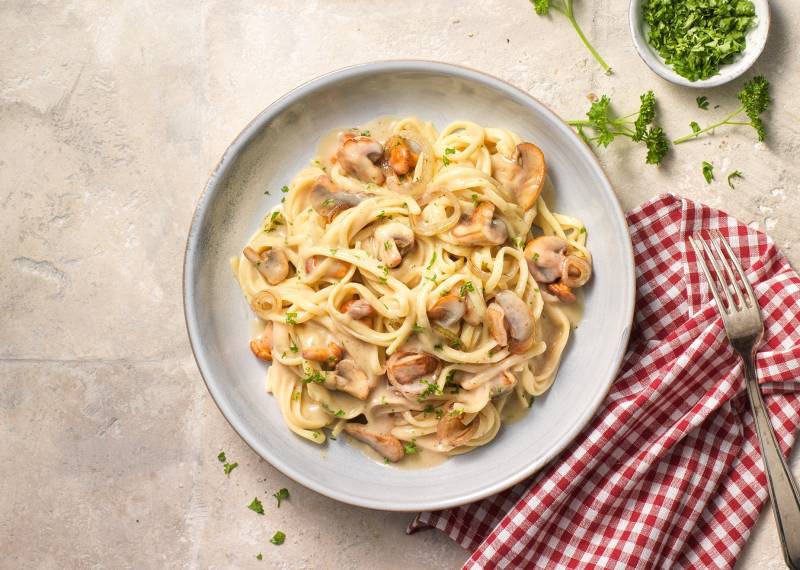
x: 335, y: 269
x: 523, y: 174
x: 451, y: 430
x: 349, y: 378
x: 387, y: 445
x: 399, y: 156
x: 548, y: 262
x: 358, y: 309
x: 330, y: 354
x: 361, y: 157
x: 545, y: 255
x: 261, y: 347
x: 447, y: 310
x: 472, y: 315
x: 271, y: 263
x: 510, y: 322
x: 394, y: 239
x: 480, y: 228
x: 328, y: 201
x: 406, y: 367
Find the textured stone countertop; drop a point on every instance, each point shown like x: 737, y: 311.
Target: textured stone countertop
x: 112, y: 116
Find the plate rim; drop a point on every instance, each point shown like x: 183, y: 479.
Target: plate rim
x: 228, y: 159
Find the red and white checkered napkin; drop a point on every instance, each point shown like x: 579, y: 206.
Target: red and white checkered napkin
x: 668, y: 473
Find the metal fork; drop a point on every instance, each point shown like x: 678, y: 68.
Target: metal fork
x: 741, y: 316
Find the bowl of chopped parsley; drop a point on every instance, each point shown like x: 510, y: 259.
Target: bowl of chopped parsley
x: 699, y: 43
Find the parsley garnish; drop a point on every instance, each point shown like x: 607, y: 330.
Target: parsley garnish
x: 221, y: 457
x: 582, y: 230
x: 333, y: 251
x: 475, y: 200
x: 466, y: 287
x: 274, y: 221
x: 708, y: 172
x: 259, y: 556
x: 431, y: 388
x: 295, y: 396
x: 314, y: 376
x: 696, y: 38
x: 437, y: 346
x: 732, y: 175
x: 382, y: 216
x: 542, y: 8
x: 754, y: 99
x: 256, y: 506
x: 291, y: 318
x: 386, y: 245
x: 281, y: 495
x: 445, y: 161
x: 417, y: 328
x: 410, y: 448
x: 284, y: 189
x: 364, y: 133
x: 433, y: 258
x: 228, y: 467
x: 293, y: 347
x: 702, y: 102
x: 328, y: 202
x: 278, y: 538
x: 643, y: 129
x: 339, y: 413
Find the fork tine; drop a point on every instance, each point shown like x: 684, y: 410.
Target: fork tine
x: 723, y: 259
x: 751, y: 296
x: 720, y: 281
x: 698, y: 250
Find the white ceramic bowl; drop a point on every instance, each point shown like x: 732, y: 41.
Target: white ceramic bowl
x: 756, y: 39
x: 270, y: 150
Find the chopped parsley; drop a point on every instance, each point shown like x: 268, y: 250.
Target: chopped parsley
x: 278, y: 538
x: 449, y: 150
x: 466, y: 287
x: 410, y: 448
x: 291, y: 318
x: 582, y: 231
x: 433, y: 259
x: 383, y: 216
x: 256, y: 506
x: 328, y: 202
x: 221, y: 457
x: 293, y: 347
x: 295, y: 396
x: 386, y: 245
x: 228, y: 467
x: 284, y: 189
x: 437, y: 346
x: 364, y: 133
x: 281, y: 495
x: 339, y: 413
x: 417, y: 328
x: 702, y: 102
x: 274, y: 221
x: 475, y: 199
x: 708, y: 172
x: 314, y: 376
x: 535, y: 257
x: 732, y: 175
x: 445, y: 161
x: 431, y: 389
x: 333, y: 251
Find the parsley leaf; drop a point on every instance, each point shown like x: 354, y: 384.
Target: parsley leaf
x: 708, y: 172
x: 702, y: 102
x: 433, y: 258
x: 278, y: 538
x: 601, y: 127
x: 410, y: 448
x: 542, y: 8
x: 221, y: 457
x: 731, y: 176
x: 466, y: 287
x: 228, y: 467
x: 291, y: 318
x: 259, y: 556
x: 755, y: 100
x: 281, y: 495
x: 284, y: 189
x: 256, y: 506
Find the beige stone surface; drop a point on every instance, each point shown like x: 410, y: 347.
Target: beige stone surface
x: 112, y: 115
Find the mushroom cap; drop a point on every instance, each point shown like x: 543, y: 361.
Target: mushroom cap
x: 261, y: 347
x: 275, y: 267
x: 393, y: 240
x: 517, y: 319
x: 524, y: 173
x: 447, y: 310
x: 545, y: 256
x: 358, y: 309
x: 387, y: 445
x: 328, y: 201
x: 335, y: 268
x: 361, y: 157
x: 406, y: 367
x: 330, y: 354
x: 349, y: 378
x: 480, y: 228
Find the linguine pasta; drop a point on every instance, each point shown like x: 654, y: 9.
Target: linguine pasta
x: 414, y: 287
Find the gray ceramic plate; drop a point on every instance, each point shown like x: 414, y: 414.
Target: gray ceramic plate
x: 270, y: 150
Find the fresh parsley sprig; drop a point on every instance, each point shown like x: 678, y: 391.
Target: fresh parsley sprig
x: 639, y: 127
x: 542, y: 8
x: 754, y: 100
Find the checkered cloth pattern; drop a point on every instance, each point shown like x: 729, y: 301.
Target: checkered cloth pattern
x: 668, y: 472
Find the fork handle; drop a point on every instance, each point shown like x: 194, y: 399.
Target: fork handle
x: 783, y: 489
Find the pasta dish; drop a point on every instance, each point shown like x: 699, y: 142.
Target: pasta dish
x: 413, y: 288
